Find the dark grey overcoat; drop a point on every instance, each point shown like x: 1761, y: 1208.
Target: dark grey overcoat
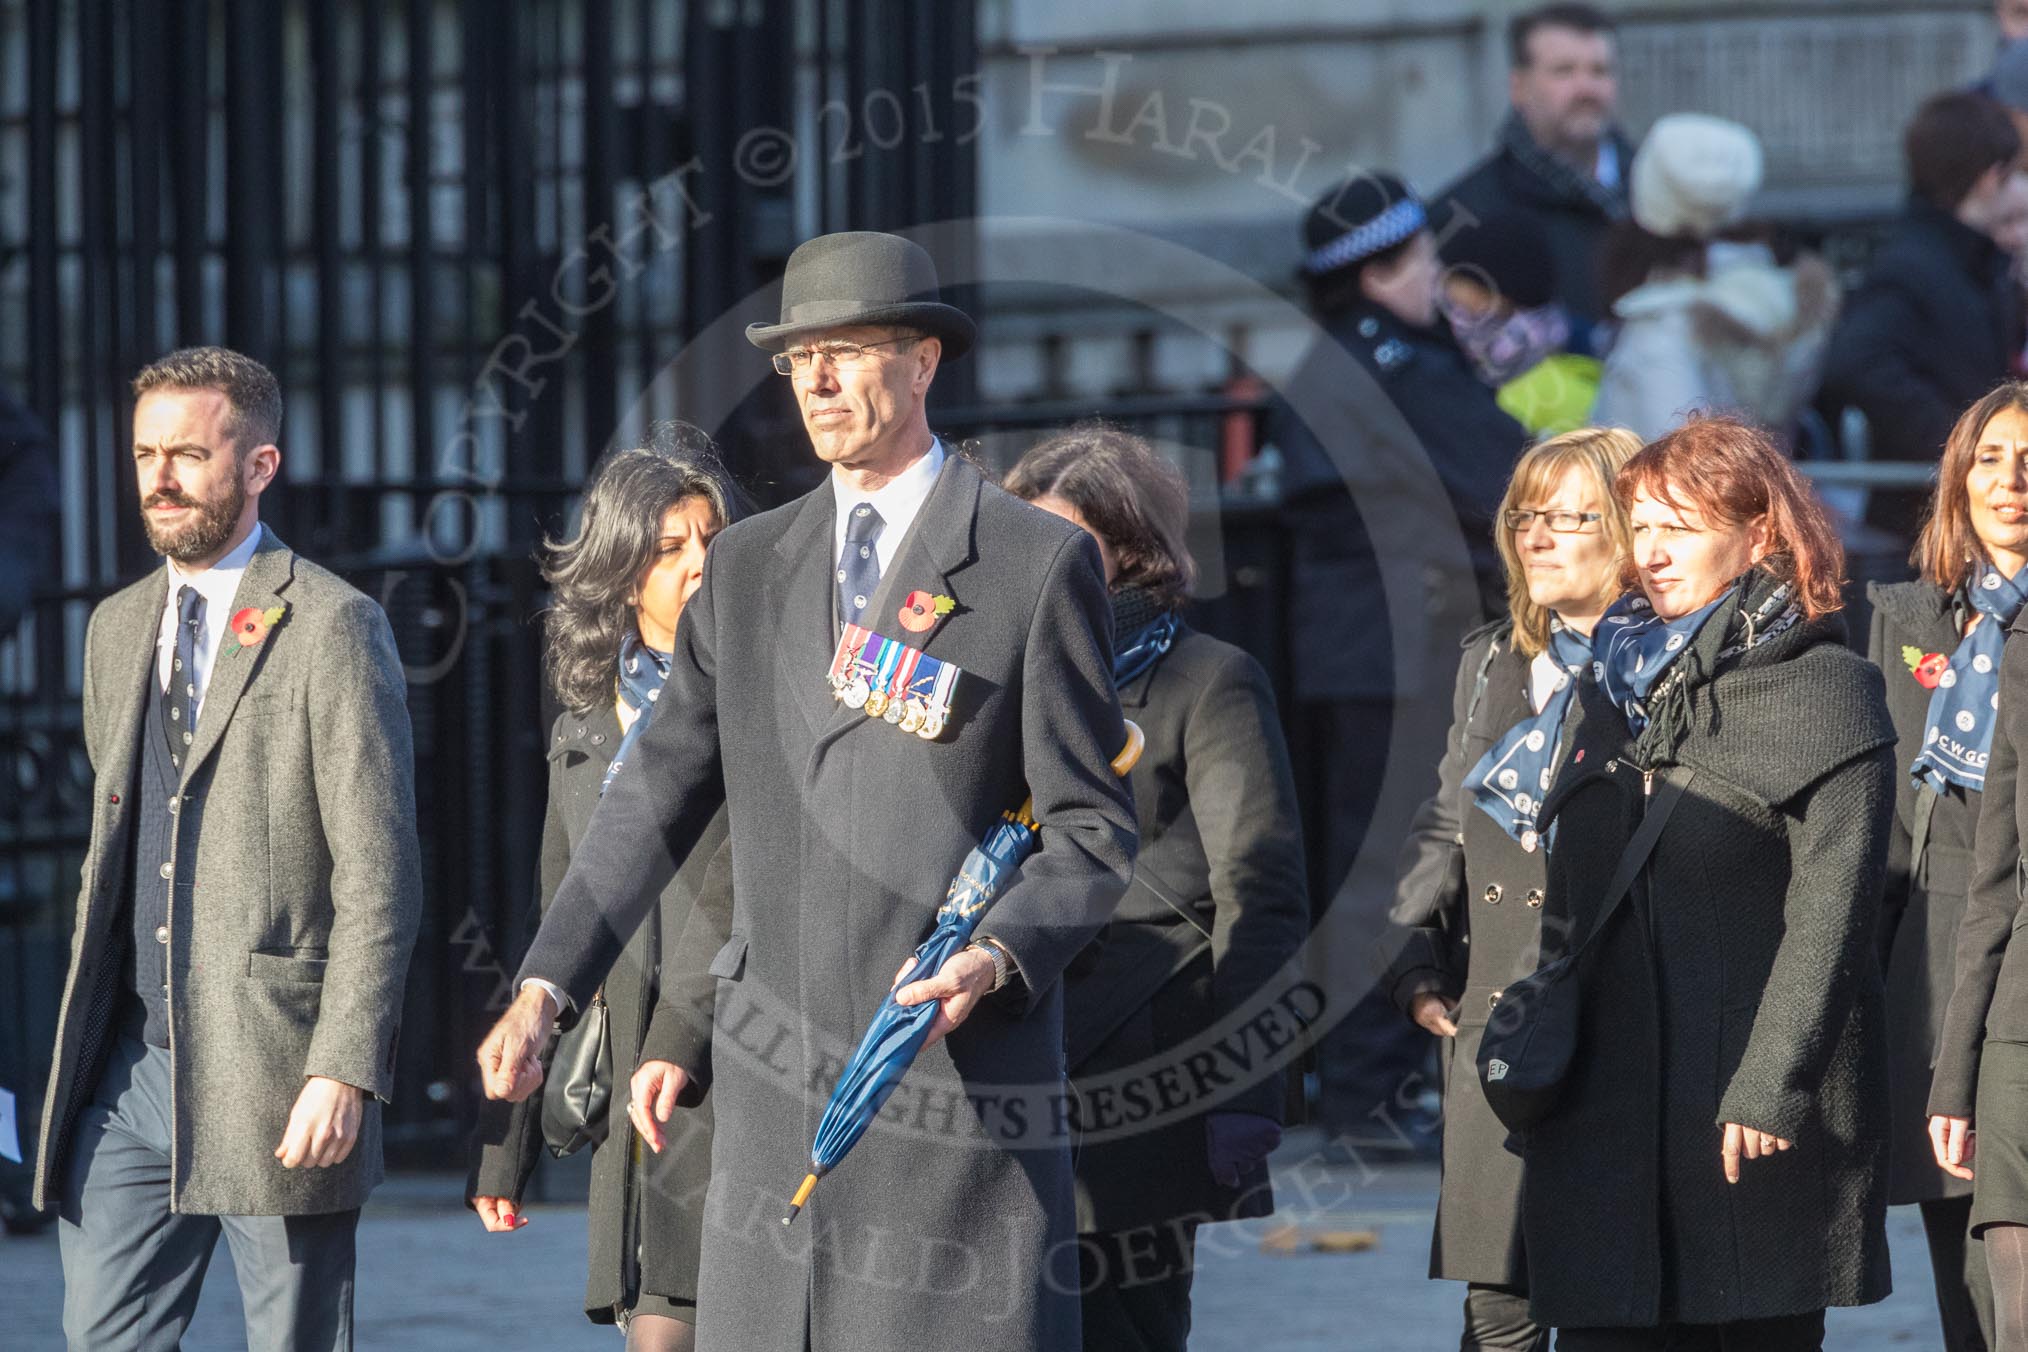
x: 1741, y: 984
x: 1472, y: 901
x: 952, y: 1219
x: 1220, y: 842
x: 646, y: 1209
x: 293, y: 915
x: 1925, y: 896
x: 1990, y: 996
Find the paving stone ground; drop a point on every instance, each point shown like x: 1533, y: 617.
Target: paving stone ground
x: 429, y: 1278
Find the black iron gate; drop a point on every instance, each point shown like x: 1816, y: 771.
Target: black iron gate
x: 465, y: 234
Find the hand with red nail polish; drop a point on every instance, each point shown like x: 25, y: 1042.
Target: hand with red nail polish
x: 498, y: 1214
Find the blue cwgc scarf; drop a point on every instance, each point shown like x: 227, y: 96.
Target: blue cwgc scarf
x: 1510, y: 780
x: 1633, y: 648
x: 642, y: 672
x: 1961, y: 708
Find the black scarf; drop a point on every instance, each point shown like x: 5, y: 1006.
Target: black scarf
x: 1562, y: 177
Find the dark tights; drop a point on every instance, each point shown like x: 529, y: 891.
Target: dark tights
x: 2007, y: 1261
x: 659, y: 1333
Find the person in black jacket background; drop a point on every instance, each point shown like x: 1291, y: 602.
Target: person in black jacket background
x: 1938, y: 640
x: 620, y: 584
x: 1365, y: 670
x: 1216, y: 910
x: 1937, y: 321
x: 1472, y: 877
x: 1560, y: 160
x: 28, y: 487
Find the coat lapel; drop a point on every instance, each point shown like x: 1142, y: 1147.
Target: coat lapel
x: 939, y: 545
x: 267, y: 576
x: 800, y: 593
x: 122, y: 697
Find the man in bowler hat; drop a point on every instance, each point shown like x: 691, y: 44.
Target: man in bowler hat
x: 954, y: 1214
x: 251, y: 893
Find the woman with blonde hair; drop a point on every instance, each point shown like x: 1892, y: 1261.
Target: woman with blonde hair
x: 1478, y: 874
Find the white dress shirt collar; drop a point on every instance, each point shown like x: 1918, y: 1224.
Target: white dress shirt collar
x: 898, y: 502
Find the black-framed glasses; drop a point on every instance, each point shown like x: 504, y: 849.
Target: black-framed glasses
x: 794, y: 359
x: 1518, y: 519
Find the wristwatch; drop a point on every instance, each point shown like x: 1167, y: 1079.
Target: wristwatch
x: 1003, y: 963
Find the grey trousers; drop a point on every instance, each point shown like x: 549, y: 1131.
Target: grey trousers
x: 132, y: 1268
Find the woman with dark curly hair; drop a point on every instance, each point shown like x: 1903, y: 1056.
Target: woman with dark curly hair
x: 619, y: 586
x: 1216, y: 909
x: 1714, y: 1173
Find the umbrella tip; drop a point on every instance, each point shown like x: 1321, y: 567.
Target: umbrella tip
x: 802, y: 1196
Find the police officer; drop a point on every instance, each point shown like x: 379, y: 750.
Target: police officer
x: 1394, y: 467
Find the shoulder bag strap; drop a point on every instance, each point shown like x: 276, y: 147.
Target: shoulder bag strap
x: 1635, y: 856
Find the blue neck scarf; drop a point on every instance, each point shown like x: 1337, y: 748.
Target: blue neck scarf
x: 642, y: 672
x: 1633, y: 648
x: 1962, y: 707
x: 1510, y: 780
x: 1142, y: 650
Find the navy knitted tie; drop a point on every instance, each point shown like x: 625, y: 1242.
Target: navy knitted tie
x: 859, y: 564
x: 182, y: 692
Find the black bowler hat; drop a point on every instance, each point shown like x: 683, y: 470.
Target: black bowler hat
x: 862, y: 277
x: 1357, y: 219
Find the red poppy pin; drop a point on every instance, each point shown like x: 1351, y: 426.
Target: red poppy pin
x: 921, y: 611
x: 251, y: 626
x: 1928, y: 668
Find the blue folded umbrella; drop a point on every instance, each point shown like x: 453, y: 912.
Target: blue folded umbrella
x: 897, y: 1031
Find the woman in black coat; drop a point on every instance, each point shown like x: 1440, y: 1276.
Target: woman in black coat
x: 619, y: 587
x: 1713, y: 1174
x: 1472, y: 878
x: 1979, y: 1094
x: 1209, y: 929
x: 1938, y: 640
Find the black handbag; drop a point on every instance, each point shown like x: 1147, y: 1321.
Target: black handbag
x: 1531, y: 1038
x: 578, y: 1094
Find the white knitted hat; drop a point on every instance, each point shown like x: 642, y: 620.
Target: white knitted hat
x: 1693, y: 175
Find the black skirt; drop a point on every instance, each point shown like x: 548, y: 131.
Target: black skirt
x: 2000, y: 1159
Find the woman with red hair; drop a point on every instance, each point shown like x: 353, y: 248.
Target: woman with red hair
x: 1713, y: 1173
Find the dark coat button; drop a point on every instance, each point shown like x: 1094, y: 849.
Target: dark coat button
x: 1493, y: 894
x: 1535, y: 897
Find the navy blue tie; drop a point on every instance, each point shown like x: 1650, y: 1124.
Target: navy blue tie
x: 182, y: 692
x: 859, y: 564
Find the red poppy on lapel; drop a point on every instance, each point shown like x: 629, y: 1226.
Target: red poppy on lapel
x: 1927, y: 668
x: 921, y: 611
x: 251, y: 626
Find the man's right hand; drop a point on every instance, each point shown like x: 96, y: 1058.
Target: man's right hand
x: 498, y: 1214
x: 510, y: 1059
x: 1433, y: 1012
x: 651, y: 1097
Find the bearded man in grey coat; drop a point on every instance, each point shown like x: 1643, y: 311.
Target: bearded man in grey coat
x: 952, y: 1220
x: 249, y: 900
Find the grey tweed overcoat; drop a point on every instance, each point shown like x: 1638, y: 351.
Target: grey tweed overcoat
x: 298, y: 887
x: 951, y: 1224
